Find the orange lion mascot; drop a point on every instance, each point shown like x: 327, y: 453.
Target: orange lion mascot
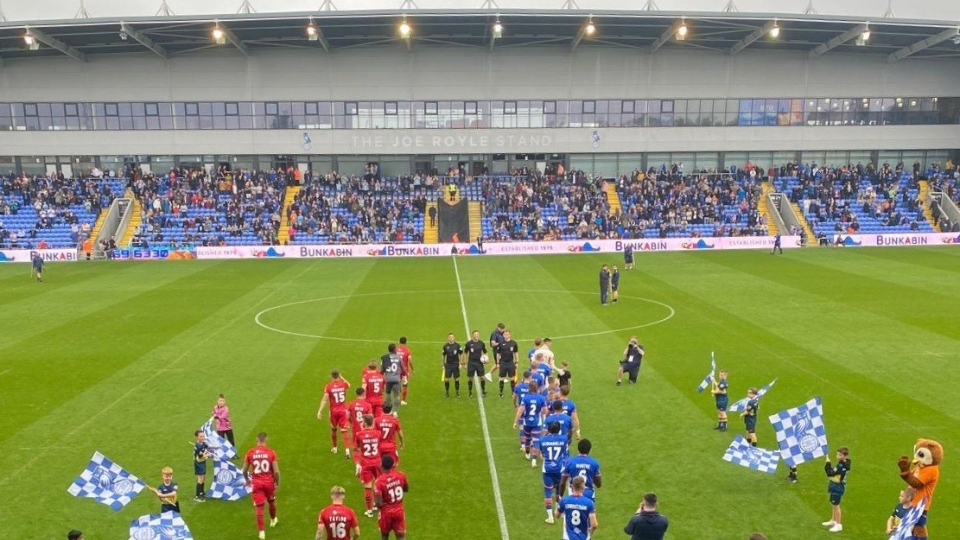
x: 922, y: 473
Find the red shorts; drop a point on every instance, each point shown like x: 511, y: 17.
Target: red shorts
x: 263, y: 492
x: 393, y: 520
x: 377, y: 409
x: 370, y: 473
x: 339, y: 419
x: 392, y: 452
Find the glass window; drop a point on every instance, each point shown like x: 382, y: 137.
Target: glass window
x: 350, y: 108
x: 390, y: 107
x: 30, y: 109
x: 271, y: 108
x: 470, y: 107
x: 110, y: 109
x: 509, y: 107
x: 70, y: 109
x: 218, y: 108
x: 589, y: 107
x: 550, y: 107
x: 431, y: 107
x: 627, y: 106
x: 151, y: 109
x: 191, y: 109
x: 231, y: 109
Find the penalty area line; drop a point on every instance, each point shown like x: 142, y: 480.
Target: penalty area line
x: 497, y: 496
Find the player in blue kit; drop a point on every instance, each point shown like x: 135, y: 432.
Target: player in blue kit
x: 719, y: 392
x: 557, y: 416
x: 521, y: 389
x: 583, y: 466
x: 530, y: 414
x: 579, y: 512
x: 201, y: 453
x: 750, y: 416
x: 555, y: 450
x: 569, y: 408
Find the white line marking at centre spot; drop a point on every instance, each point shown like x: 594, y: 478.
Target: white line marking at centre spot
x: 497, y: 497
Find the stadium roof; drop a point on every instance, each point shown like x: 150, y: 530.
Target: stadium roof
x: 643, y: 31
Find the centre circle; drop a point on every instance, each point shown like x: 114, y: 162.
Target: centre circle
x: 259, y: 316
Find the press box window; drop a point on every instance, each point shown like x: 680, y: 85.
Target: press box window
x: 431, y: 107
x: 470, y: 107
x: 390, y: 108
x: 71, y: 109
x: 350, y: 108
x: 509, y: 107
x: 151, y: 109
x: 110, y: 109
x: 232, y: 109
x: 192, y: 109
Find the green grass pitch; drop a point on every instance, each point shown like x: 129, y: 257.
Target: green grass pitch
x: 127, y: 359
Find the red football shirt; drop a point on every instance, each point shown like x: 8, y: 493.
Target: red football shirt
x: 388, y: 426
x: 336, y: 392
x: 374, y: 383
x: 405, y: 355
x: 338, y: 520
x: 356, y: 409
x: 392, y: 487
x: 260, y: 462
x: 368, y: 447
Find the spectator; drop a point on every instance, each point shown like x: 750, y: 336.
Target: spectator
x: 74, y: 535
x: 647, y: 523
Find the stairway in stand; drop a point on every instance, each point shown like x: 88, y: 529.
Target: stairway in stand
x: 431, y: 233
x: 927, y: 211
x: 811, y: 238
x: 135, y: 220
x: 283, y: 235
x: 99, y: 224
x: 765, y: 212
x: 613, y: 198
x: 476, y: 220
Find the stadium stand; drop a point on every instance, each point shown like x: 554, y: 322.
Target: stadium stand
x: 52, y: 212
x: 856, y: 199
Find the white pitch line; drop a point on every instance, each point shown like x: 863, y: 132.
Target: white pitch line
x: 497, y: 497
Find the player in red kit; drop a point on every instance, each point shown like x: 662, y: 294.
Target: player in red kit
x: 335, y: 395
x: 367, y: 458
x: 374, y: 384
x: 407, y: 356
x: 391, y: 489
x: 337, y: 521
x: 391, y: 435
x: 263, y: 474
x: 356, y: 410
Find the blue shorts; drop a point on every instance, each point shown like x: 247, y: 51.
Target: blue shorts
x: 836, y: 492
x: 199, y: 468
x: 722, y: 402
x: 751, y: 423
x: 551, y: 480
x: 532, y: 433
x: 628, y: 259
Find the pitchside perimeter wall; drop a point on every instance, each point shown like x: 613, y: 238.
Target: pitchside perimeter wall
x: 491, y: 249
x: 437, y: 73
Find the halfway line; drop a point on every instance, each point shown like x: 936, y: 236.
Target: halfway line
x: 498, y: 499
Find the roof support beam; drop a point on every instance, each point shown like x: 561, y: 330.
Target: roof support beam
x: 755, y: 35
x: 925, y: 44
x: 232, y: 38
x: 56, y: 44
x: 143, y: 40
x: 854, y: 32
x: 664, y: 38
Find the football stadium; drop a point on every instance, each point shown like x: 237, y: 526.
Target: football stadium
x: 728, y: 234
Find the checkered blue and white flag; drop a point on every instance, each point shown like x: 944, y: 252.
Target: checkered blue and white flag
x: 709, y: 378
x: 228, y: 482
x: 800, y: 433
x: 165, y: 526
x: 219, y: 446
x: 741, y: 453
x: 741, y: 405
x: 107, y: 483
x: 912, y: 517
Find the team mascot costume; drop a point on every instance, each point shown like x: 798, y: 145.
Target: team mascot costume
x: 922, y: 473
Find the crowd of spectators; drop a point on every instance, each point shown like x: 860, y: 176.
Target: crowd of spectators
x: 945, y: 179
x: 197, y: 207
x: 33, y: 206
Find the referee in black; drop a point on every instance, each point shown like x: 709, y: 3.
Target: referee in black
x: 452, y: 359
x: 507, y: 361
x: 475, y: 351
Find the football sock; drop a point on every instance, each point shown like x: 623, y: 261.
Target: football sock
x: 483, y: 386
x: 446, y: 385
x: 260, y: 518
x: 501, y: 388
x: 273, y: 509
x: 456, y: 385
x: 368, y: 497
x: 199, y: 490
x: 513, y: 385
x: 333, y: 437
x: 403, y: 394
x: 470, y: 387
